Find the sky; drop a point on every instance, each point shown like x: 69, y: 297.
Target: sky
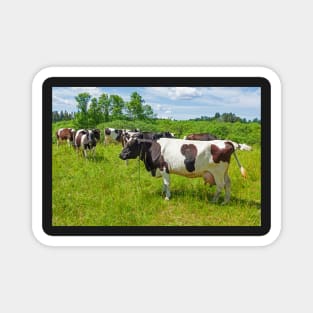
x: 180, y: 103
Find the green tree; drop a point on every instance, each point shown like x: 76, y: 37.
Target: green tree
x: 148, y: 112
x: 230, y: 117
x: 117, y: 107
x: 134, y: 106
x: 105, y: 106
x: 217, y: 116
x: 94, y: 113
x: 136, y: 109
x: 81, y: 118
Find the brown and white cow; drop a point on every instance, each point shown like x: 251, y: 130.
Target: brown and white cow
x: 86, y: 140
x: 203, y: 136
x: 165, y: 156
x: 209, y: 137
x: 67, y: 134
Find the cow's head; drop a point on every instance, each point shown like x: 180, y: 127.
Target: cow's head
x: 131, y: 149
x: 96, y: 132
x: 72, y: 134
x: 91, y: 139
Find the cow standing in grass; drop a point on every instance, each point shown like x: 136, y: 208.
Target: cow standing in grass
x: 86, y: 140
x: 67, y: 134
x: 112, y: 134
x: 165, y: 156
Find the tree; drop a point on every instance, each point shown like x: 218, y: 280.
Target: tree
x: 81, y: 118
x: 135, y: 108
x: 117, y: 107
x: 148, y: 112
x: 217, y: 116
x: 230, y: 117
x: 105, y: 106
x: 82, y: 102
x: 94, y: 113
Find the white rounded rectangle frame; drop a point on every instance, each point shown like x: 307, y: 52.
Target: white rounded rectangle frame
x: 209, y: 240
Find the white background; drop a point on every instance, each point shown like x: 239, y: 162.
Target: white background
x: 37, y: 34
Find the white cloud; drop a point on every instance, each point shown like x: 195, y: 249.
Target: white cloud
x: 176, y: 93
x: 232, y: 97
x: 93, y: 91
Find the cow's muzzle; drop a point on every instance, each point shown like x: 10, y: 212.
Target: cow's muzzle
x: 123, y: 156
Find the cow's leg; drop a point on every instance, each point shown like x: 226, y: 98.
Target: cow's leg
x: 219, y: 188
x: 166, y: 184
x: 227, y: 188
x: 219, y: 180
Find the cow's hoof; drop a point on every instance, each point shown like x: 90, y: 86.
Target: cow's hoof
x: 225, y: 202
x: 166, y: 198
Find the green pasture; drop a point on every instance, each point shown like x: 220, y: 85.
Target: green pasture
x: 104, y: 191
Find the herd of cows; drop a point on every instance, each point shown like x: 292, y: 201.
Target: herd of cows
x: 197, y: 155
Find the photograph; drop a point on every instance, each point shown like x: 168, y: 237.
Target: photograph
x: 156, y: 155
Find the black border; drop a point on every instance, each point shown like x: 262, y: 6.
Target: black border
x: 157, y: 82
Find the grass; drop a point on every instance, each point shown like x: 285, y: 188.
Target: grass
x: 105, y: 192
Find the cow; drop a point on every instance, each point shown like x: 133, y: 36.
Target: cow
x: 127, y: 136
x: 209, y: 137
x: 86, y: 139
x: 146, y: 135
x: 67, y: 134
x: 204, y: 136
x: 112, y: 134
x: 189, y: 158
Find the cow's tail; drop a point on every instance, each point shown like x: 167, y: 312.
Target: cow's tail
x: 242, y: 146
x: 242, y: 169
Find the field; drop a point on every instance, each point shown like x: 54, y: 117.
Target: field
x: 104, y: 191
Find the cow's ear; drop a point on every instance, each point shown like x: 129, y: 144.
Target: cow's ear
x: 155, y: 151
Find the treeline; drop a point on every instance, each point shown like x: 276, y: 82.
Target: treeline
x: 62, y: 116
x: 93, y: 111
x: 226, y: 117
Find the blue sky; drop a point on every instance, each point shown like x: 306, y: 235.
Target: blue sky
x: 180, y: 103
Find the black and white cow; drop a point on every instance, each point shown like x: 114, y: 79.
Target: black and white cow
x: 86, y: 140
x: 67, y: 134
x: 208, y: 137
x: 112, y: 134
x: 165, y: 156
x: 127, y: 135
